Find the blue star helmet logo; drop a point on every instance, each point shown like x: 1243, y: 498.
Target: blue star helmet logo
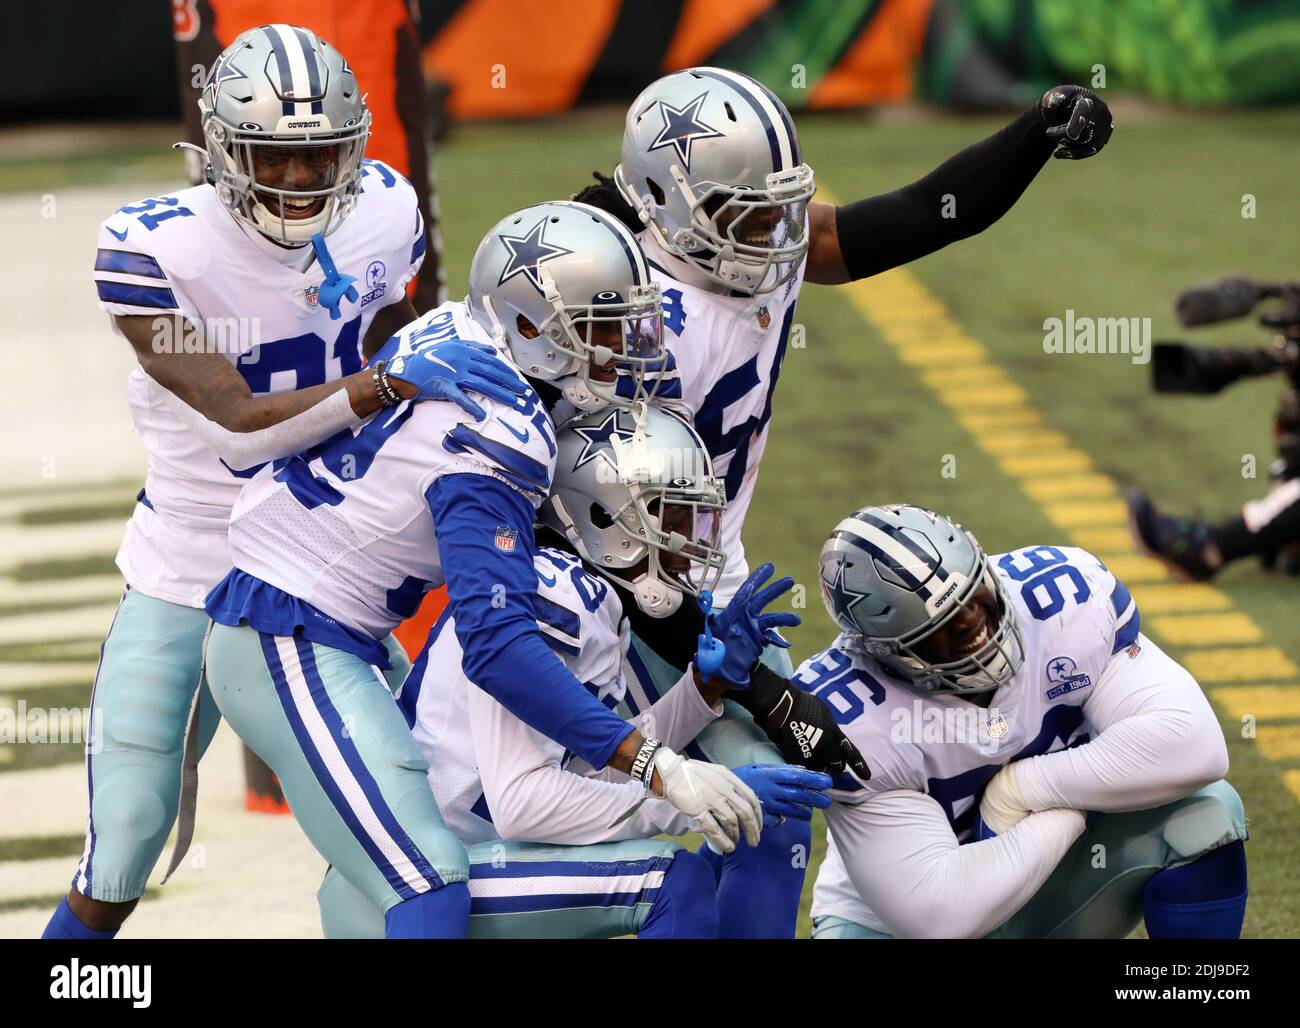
x: 682, y: 127
x: 598, y: 440
x: 223, y: 71
x: 528, y: 253
x: 842, y: 597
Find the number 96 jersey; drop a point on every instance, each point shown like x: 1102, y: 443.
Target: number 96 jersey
x: 1074, y: 615
x: 258, y: 305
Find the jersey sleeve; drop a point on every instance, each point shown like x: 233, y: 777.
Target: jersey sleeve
x: 1109, y: 617
x: 484, y: 533
x: 402, y: 222
x: 859, y: 701
x: 131, y: 277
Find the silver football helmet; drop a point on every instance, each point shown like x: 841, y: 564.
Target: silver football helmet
x: 893, y: 576
x: 634, y: 492
x: 567, y: 289
x: 711, y: 164
x: 280, y: 93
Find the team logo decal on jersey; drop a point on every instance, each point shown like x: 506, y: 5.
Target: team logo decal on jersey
x: 528, y: 253
x: 764, y: 318
x: 682, y: 126
x: 599, y: 441
x: 505, y: 539
x: 1064, y: 676
x: 375, y: 282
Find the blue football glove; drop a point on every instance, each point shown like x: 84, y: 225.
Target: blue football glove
x: 785, y: 791
x: 745, y: 630
x: 450, y: 368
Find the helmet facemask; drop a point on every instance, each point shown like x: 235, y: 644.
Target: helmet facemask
x: 663, y: 541
x: 989, y: 667
x: 242, y: 161
x: 748, y: 239
x: 616, y: 345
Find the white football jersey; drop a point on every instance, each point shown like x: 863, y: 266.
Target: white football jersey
x: 728, y: 352
x: 346, y: 526
x: 1073, y: 615
x: 476, y: 748
x: 258, y: 305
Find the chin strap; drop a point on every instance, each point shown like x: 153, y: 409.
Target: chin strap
x: 336, y: 287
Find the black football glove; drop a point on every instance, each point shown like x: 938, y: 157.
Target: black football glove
x: 802, y: 726
x: 1077, y: 119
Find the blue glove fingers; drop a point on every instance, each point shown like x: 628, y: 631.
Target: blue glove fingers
x: 439, y: 390
x: 766, y: 595
x: 799, y: 777
x: 486, y: 387
x: 495, y: 372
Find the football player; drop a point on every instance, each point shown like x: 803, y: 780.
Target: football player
x: 334, y: 549
x: 557, y: 849
x: 712, y: 179
x: 250, y: 340
x: 1041, y: 768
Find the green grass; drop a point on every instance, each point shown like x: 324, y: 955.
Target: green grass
x: 1114, y: 236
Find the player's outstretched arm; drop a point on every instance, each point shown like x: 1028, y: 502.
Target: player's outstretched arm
x: 905, y: 862
x: 960, y: 198
x: 1157, y: 740
x: 245, y: 429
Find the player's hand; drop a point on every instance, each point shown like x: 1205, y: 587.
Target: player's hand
x: 715, y: 799
x: 1077, y: 119
x: 452, y: 368
x: 745, y: 630
x: 801, y: 725
x: 785, y: 791
x: 1002, y: 807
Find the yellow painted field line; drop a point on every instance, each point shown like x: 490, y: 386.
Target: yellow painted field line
x: 1062, y: 481
x: 1207, y: 629
x: 1292, y: 782
x: 1279, y: 742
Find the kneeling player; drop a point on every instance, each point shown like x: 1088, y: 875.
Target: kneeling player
x: 1011, y: 704
x: 636, y: 495
x: 335, y: 548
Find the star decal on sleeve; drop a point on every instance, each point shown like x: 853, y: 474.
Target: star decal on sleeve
x: 598, y: 441
x: 528, y: 253
x: 682, y: 127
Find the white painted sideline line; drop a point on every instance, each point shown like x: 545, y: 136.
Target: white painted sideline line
x: 22, y: 545
x: 59, y: 590
x: 19, y: 676
x: 84, y: 622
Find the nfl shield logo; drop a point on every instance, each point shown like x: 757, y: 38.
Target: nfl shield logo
x: 313, y: 296
x: 505, y: 539
x: 764, y: 318
x: 997, y: 726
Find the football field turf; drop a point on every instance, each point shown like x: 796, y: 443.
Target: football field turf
x: 929, y: 385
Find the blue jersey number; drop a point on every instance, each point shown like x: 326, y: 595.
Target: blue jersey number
x: 1042, y: 592
x: 304, y: 355
x: 831, y: 678
x: 674, y: 312
x: 145, y: 208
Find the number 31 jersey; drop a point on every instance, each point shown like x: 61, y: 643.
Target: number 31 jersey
x: 258, y: 305
x: 1074, y: 616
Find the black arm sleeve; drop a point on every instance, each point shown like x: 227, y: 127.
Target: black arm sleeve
x: 984, y: 180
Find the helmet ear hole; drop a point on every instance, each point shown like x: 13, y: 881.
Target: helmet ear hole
x: 655, y: 191
x: 600, y: 517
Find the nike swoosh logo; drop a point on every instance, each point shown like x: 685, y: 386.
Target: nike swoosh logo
x: 429, y: 355
x: 119, y: 236
x: 521, y: 436
x: 548, y: 581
